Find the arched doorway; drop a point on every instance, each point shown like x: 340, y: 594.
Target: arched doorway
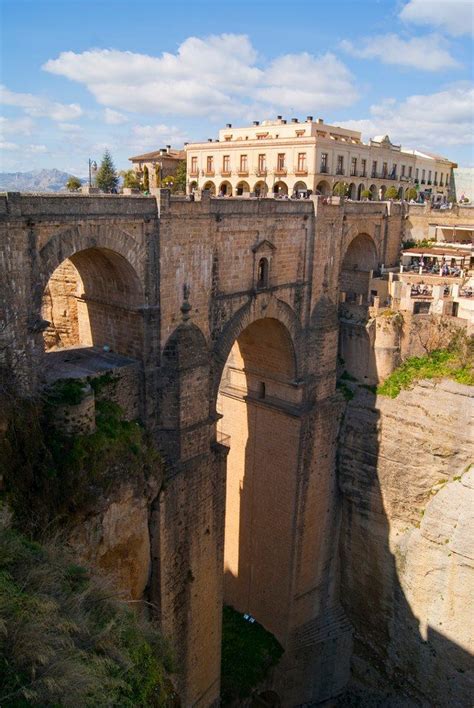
x: 255, y: 396
x: 352, y: 191
x: 373, y: 192
x: 382, y: 191
x: 92, y: 299
x: 260, y: 189
x: 225, y: 190
x: 243, y: 188
x: 300, y: 189
x: 210, y: 187
x: 400, y: 193
x: 193, y: 186
x: 323, y: 188
x: 360, y: 189
x: 280, y: 188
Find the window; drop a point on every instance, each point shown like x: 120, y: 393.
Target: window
x: 394, y: 171
x: 353, y: 166
x: 364, y: 167
x: 262, y: 163
x: 436, y: 178
x: 243, y: 163
x: 281, y: 161
x: 209, y: 164
x: 423, y: 173
x: 262, y: 273
x: 324, y: 162
x: 410, y: 172
x: 194, y: 165
x: 384, y: 169
x: 447, y: 180
x: 403, y: 171
x: 417, y: 173
x: 301, y: 162
x: 226, y: 163
x: 429, y: 177
x: 441, y: 180
x: 261, y: 389
x: 340, y: 165
x: 374, y: 168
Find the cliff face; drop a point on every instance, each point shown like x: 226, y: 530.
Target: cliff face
x: 407, y: 559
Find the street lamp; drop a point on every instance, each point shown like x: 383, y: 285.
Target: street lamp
x: 92, y: 168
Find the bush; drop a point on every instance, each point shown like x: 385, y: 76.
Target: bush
x: 366, y: 194
x: 130, y: 179
x: 412, y: 194
x: 73, y: 184
x: 391, y: 193
x: 248, y: 652
x: 341, y: 189
x: 67, y: 640
x: 146, y: 179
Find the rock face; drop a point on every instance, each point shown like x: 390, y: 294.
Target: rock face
x: 407, y: 556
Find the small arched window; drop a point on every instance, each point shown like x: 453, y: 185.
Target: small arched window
x: 262, y: 273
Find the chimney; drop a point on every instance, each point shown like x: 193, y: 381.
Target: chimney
x: 294, y: 120
x: 309, y: 119
x: 320, y: 120
x: 209, y: 140
x: 228, y: 125
x: 279, y: 117
x: 256, y: 122
x: 186, y: 144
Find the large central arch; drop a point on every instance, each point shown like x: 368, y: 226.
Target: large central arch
x: 258, y: 402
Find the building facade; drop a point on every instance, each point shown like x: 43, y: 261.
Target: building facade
x: 160, y: 164
x: 279, y: 158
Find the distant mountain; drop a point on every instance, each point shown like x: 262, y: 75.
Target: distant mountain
x: 35, y: 181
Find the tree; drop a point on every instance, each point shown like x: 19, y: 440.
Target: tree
x: 130, y: 179
x: 341, y: 189
x: 73, y: 184
x: 168, y: 182
x: 180, y: 177
x: 391, y: 193
x: 366, y: 194
x: 106, y: 177
x: 412, y: 194
x: 146, y: 179
x: 158, y: 174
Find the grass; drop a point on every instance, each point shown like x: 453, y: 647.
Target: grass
x: 248, y: 652
x: 65, y: 639
x: 442, y: 363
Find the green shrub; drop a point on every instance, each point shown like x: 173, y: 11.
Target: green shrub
x: 67, y: 640
x: 248, y: 652
x: 366, y: 194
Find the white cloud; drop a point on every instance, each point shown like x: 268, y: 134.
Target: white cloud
x: 70, y: 128
x: 9, y: 146
x: 37, y: 149
x: 16, y: 126
x: 114, y: 117
x: 156, y: 136
x: 213, y: 76
x: 38, y: 106
x: 453, y: 16
x: 428, y: 53
x: 423, y: 121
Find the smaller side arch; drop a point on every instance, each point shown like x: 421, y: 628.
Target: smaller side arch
x: 210, y: 187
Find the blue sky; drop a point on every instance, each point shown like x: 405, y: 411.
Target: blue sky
x: 81, y: 75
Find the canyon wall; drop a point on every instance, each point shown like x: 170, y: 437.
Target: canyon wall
x: 407, y: 559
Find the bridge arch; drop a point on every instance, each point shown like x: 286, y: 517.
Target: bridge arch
x: 92, y: 296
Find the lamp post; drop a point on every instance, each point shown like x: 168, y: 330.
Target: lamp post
x: 92, y: 168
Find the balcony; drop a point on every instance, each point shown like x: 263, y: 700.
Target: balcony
x: 429, y: 181
x: 423, y: 181
x: 301, y: 173
x: 209, y: 173
x: 353, y: 173
x: 243, y: 173
x: 417, y: 181
x: 436, y: 183
x: 373, y: 175
x: 226, y: 173
x: 282, y: 171
x: 323, y: 170
x: 194, y: 173
x: 261, y: 173
x: 339, y: 171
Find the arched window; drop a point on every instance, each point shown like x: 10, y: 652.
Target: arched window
x: 262, y: 273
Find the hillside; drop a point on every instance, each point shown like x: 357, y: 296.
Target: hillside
x: 35, y: 181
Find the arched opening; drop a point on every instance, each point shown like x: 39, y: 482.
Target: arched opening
x: 262, y: 273
x: 300, y: 189
x: 225, y: 190
x: 243, y: 188
x: 400, y: 193
x: 335, y: 187
x: 260, y: 189
x: 280, y: 189
x: 323, y: 188
x: 257, y: 400
x: 93, y: 300
x: 355, y: 350
x: 360, y: 189
x: 373, y: 191
x: 210, y: 187
x: 382, y: 191
x: 352, y: 191
x: 193, y: 186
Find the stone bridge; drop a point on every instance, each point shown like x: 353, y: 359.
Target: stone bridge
x: 229, y: 310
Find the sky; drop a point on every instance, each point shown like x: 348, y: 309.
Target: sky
x: 80, y: 76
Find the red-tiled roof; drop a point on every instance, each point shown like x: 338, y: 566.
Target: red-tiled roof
x: 156, y: 154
